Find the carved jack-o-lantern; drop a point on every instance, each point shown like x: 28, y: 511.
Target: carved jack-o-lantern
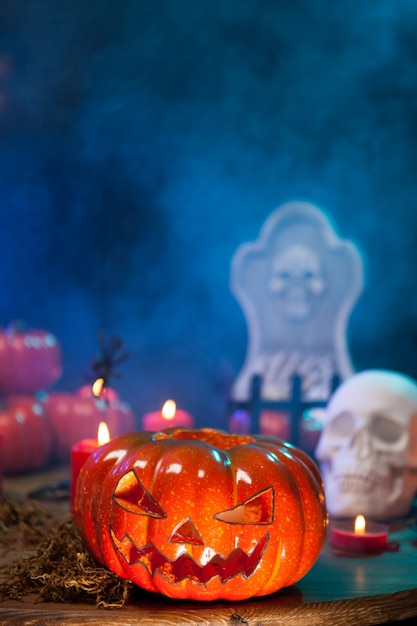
x: 202, y: 514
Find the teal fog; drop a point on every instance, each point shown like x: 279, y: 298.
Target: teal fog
x: 142, y: 142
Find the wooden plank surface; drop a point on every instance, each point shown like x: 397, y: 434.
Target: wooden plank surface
x: 339, y: 590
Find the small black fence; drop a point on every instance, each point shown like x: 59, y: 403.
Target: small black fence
x: 294, y: 407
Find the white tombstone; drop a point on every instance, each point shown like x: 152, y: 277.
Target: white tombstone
x: 297, y: 285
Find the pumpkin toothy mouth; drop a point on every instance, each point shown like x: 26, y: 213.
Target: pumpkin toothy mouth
x: 184, y: 566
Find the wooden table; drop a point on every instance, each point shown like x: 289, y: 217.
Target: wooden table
x: 339, y: 590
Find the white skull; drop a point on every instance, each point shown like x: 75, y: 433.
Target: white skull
x: 297, y: 279
x: 368, y: 447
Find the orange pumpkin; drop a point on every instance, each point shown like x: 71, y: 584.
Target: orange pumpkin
x: 202, y: 514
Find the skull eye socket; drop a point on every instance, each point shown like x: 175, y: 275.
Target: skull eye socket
x: 386, y: 429
x: 132, y: 496
x: 256, y: 510
x: 342, y: 425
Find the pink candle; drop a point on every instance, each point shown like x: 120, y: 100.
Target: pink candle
x: 360, y: 536
x: 168, y: 416
x: 80, y: 452
x: 98, y: 390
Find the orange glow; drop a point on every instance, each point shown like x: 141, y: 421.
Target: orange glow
x: 360, y: 525
x: 103, y: 435
x: 193, y: 504
x: 97, y: 387
x: 169, y: 409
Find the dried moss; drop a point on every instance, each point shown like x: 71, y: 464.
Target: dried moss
x: 22, y: 523
x: 61, y: 570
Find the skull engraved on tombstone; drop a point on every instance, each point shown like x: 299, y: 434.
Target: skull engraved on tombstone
x: 297, y: 280
x: 296, y: 284
x: 367, y: 450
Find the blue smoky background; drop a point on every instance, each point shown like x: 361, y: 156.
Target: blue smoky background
x: 142, y: 142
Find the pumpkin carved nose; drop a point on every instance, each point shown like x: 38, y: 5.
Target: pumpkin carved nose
x: 186, y: 532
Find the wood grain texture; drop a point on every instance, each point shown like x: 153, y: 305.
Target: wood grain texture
x: 360, y: 611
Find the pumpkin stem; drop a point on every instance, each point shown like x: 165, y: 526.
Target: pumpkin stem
x: 216, y: 438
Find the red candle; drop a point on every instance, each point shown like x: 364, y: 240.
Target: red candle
x: 360, y: 536
x: 80, y: 452
x: 168, y: 416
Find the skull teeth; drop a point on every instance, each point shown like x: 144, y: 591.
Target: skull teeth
x: 358, y: 483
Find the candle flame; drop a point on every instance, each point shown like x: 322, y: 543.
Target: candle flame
x: 97, y: 387
x: 360, y: 525
x: 103, y: 435
x: 169, y: 410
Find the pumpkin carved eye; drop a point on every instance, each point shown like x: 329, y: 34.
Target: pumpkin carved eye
x: 132, y: 496
x: 256, y: 510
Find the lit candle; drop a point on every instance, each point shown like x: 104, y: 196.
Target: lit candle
x: 100, y: 391
x: 80, y: 452
x: 168, y: 416
x: 360, y: 536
